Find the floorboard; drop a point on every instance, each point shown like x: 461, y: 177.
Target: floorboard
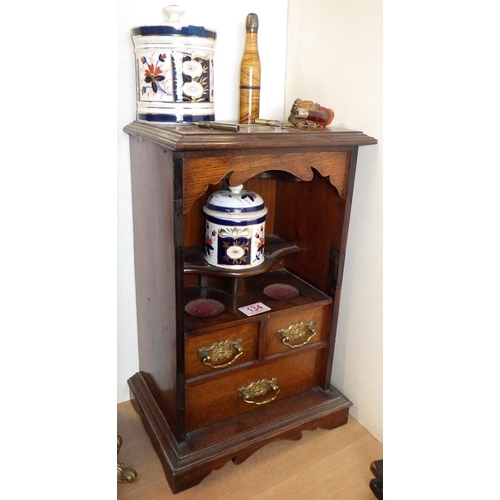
x: 324, y: 464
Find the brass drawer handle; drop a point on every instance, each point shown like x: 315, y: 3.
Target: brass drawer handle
x: 293, y: 336
x: 220, y: 351
x: 258, y: 389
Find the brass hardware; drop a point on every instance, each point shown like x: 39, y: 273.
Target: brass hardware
x: 219, y: 125
x: 272, y: 123
x: 220, y: 351
x: 259, y: 388
x: 124, y: 475
x: 293, y: 336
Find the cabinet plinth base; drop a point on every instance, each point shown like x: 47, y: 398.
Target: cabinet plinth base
x: 187, y: 463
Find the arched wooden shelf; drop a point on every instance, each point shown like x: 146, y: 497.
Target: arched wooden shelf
x: 275, y: 250
x: 201, y: 172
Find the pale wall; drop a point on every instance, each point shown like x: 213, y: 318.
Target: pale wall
x: 333, y: 55
x: 227, y: 17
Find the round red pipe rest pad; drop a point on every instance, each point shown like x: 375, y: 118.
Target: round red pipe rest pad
x: 204, y: 308
x: 281, y: 291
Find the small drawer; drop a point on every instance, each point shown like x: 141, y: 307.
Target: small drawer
x: 218, y: 398
x: 214, y: 351
x: 295, y: 329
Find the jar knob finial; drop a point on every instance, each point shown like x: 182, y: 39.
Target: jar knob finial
x: 236, y: 189
x: 173, y: 14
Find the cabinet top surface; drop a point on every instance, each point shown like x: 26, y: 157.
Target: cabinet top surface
x: 191, y: 137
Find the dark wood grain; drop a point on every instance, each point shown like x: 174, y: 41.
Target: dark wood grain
x: 312, y: 216
x: 275, y: 250
x: 187, y: 137
x: 154, y: 251
x: 186, y: 464
x: 320, y: 315
x: 216, y: 398
x: 194, y: 414
x: 231, y: 316
x: 202, y: 172
x: 248, y: 333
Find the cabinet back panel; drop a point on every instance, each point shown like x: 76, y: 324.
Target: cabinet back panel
x: 312, y: 215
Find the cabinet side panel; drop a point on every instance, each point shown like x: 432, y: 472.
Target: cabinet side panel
x: 341, y: 260
x: 153, y: 215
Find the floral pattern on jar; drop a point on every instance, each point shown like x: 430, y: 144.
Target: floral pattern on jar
x: 156, y: 77
x: 196, y: 79
x: 161, y: 74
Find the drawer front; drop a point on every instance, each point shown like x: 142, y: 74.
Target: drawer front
x: 293, y: 330
x: 223, y: 397
x: 215, y: 351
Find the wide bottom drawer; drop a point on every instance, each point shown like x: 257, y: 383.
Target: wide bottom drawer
x: 218, y: 398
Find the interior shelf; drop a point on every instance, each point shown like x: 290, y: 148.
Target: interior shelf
x: 306, y: 296
x: 274, y: 250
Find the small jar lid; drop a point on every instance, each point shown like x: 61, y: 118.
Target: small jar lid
x: 236, y: 202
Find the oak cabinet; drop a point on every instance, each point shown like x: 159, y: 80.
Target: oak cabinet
x: 217, y: 388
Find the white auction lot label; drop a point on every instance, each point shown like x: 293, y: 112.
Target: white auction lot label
x: 254, y: 309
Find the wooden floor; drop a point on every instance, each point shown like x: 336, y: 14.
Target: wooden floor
x: 324, y: 464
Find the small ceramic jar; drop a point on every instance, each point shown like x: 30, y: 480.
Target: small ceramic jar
x: 235, y: 222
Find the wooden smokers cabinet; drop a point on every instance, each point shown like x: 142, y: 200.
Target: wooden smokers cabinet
x: 213, y: 389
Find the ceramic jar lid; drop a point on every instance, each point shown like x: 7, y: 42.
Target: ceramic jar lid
x: 174, y: 26
x: 235, y: 203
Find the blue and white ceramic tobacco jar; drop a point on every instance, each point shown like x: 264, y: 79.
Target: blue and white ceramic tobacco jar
x: 174, y: 71
x: 235, y: 221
